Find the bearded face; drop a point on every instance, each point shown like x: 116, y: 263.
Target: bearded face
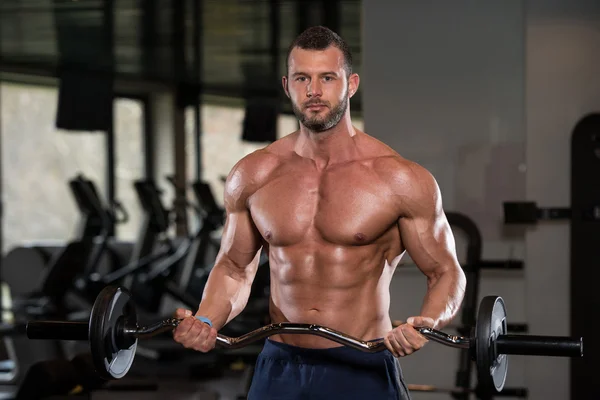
x: 319, y: 87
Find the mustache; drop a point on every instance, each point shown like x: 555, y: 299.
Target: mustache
x: 315, y: 103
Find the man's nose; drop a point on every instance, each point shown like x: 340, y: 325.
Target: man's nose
x: 314, y: 89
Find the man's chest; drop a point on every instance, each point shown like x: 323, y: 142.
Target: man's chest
x: 346, y: 206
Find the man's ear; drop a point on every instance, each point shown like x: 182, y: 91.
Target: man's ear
x: 353, y: 83
x: 284, y: 83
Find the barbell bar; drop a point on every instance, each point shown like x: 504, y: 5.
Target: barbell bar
x: 113, y: 333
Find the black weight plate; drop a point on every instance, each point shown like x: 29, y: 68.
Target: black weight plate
x: 111, y: 306
x: 491, y: 322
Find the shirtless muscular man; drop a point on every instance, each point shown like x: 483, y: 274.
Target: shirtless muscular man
x: 335, y: 209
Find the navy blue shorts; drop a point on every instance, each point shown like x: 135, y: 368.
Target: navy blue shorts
x: 288, y: 373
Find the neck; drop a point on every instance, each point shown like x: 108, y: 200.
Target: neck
x: 332, y: 146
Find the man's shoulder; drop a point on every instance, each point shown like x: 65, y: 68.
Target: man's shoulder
x: 254, y: 167
x: 256, y: 161
x: 264, y: 160
x: 253, y: 170
x: 399, y: 171
x: 398, y: 167
x: 411, y: 185
x: 385, y: 160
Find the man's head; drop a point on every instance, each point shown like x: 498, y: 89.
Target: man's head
x: 319, y: 80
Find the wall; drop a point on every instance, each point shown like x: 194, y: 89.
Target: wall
x: 444, y: 86
x: 563, y: 54
x: 451, y: 85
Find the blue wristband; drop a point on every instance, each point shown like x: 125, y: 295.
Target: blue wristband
x: 205, y: 320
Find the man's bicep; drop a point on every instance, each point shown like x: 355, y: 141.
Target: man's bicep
x: 240, y: 241
x: 429, y: 241
x: 424, y: 228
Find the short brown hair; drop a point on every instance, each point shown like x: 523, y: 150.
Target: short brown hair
x: 320, y: 38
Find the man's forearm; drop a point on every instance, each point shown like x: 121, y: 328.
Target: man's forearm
x: 225, y: 295
x: 445, y: 293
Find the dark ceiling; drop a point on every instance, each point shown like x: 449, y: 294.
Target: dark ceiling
x: 232, y: 48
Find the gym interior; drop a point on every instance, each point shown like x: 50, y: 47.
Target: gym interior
x: 120, y: 121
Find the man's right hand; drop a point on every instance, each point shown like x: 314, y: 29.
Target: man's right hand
x: 193, y: 333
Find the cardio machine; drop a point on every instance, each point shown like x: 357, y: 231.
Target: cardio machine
x: 151, y: 245
x: 56, y: 279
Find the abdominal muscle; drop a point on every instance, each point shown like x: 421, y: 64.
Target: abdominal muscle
x: 348, y: 292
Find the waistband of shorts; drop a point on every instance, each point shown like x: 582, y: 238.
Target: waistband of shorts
x: 286, y: 352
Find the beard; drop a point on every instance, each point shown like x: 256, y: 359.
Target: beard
x: 317, y: 123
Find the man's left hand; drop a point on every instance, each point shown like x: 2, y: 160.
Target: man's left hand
x: 405, y: 339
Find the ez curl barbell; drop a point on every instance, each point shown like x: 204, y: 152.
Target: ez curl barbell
x: 113, y: 333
